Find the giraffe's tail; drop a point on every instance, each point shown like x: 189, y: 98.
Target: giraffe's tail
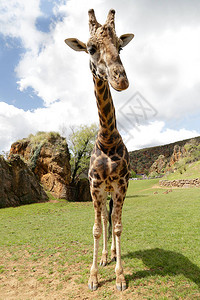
x: 110, y: 218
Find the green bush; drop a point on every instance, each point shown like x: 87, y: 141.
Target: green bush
x: 133, y: 174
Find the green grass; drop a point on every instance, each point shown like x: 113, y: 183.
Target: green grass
x: 53, y: 244
x: 166, y: 238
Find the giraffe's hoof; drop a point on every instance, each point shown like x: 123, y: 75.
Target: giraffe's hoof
x: 104, y: 259
x: 93, y: 283
x: 103, y: 263
x: 113, y: 255
x: 121, y: 286
x: 120, y: 282
x: 93, y: 286
x: 114, y: 258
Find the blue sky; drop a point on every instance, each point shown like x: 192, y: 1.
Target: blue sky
x: 10, y: 54
x: 44, y: 85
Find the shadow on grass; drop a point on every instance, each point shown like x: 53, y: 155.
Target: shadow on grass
x: 103, y: 282
x: 136, y: 196
x: 162, y: 262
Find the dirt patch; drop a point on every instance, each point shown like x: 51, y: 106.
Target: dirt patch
x: 23, y: 279
x: 41, y: 279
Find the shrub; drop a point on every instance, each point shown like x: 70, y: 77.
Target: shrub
x: 133, y: 174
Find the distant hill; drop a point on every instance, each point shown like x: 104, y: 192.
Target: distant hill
x: 142, y: 160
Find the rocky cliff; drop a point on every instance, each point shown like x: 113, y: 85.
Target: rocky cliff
x: 48, y: 157
x: 178, y: 153
x: 18, y: 184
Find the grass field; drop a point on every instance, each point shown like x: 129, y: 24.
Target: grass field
x: 46, y: 249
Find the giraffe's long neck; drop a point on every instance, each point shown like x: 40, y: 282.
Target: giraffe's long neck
x: 108, y: 133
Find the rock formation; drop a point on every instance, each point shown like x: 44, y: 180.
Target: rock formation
x: 18, y: 184
x: 48, y: 157
x: 178, y: 153
x: 158, y: 166
x: 181, y: 183
x: 83, y: 190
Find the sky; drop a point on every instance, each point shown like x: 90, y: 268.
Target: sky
x: 46, y: 86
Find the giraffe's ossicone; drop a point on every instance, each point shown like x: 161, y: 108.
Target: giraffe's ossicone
x: 109, y: 163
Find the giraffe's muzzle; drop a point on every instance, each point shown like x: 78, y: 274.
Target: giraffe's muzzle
x: 120, y: 85
x: 117, y: 77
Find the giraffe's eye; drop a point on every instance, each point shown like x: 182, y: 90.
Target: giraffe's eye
x: 92, y: 50
x: 120, y: 49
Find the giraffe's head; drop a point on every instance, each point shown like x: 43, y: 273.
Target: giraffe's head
x: 104, y: 47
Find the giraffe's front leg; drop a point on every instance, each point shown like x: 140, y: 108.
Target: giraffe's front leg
x: 120, y: 279
x: 93, y: 280
x: 97, y: 229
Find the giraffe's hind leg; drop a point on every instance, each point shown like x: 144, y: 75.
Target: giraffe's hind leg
x: 113, y: 245
x: 104, y: 214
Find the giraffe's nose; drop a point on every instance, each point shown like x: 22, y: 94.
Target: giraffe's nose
x: 123, y: 83
x: 120, y: 84
x: 118, y: 78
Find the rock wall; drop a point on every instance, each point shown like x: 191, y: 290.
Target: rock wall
x: 180, y: 183
x: 48, y: 156
x: 18, y: 184
x: 83, y: 190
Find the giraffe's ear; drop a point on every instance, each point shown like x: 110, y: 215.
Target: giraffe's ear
x: 126, y: 38
x: 75, y: 44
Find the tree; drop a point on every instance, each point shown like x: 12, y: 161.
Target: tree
x: 133, y: 174
x: 81, y: 142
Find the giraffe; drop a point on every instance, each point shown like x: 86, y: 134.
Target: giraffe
x: 109, y: 163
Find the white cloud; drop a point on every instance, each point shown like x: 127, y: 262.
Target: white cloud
x: 14, y: 124
x: 18, y: 18
x: 167, y: 68
x: 156, y: 134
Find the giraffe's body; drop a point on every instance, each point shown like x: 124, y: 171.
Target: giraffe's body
x: 109, y: 164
